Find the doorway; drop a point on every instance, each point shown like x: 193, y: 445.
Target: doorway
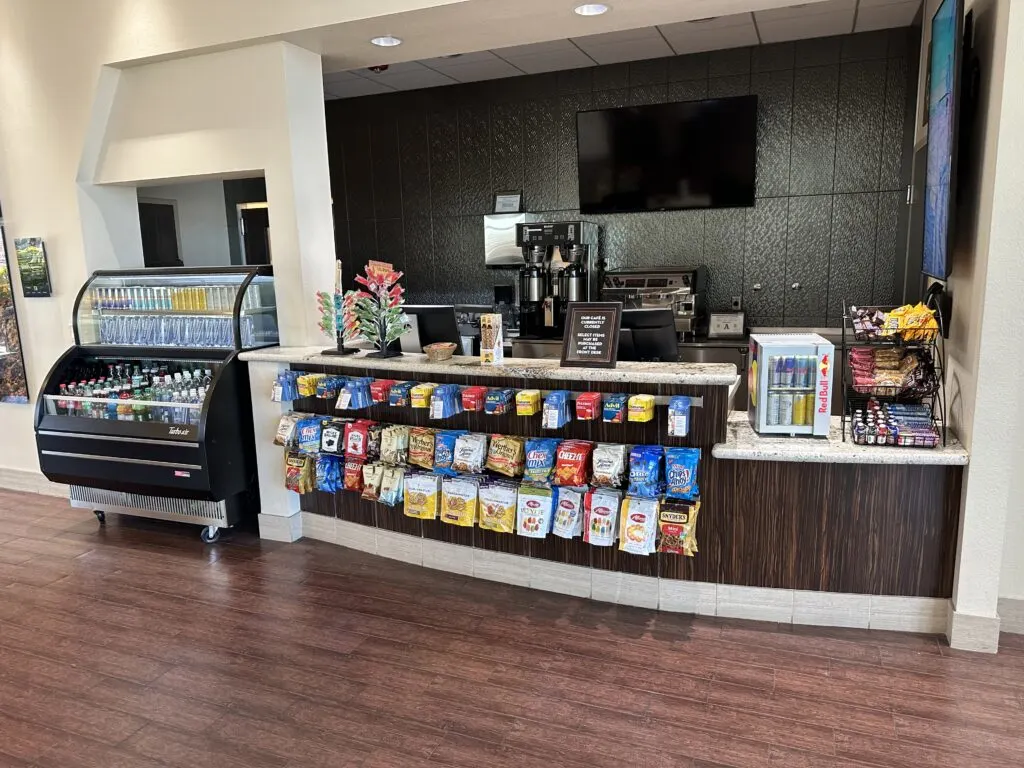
x: 254, y: 231
x: 161, y: 243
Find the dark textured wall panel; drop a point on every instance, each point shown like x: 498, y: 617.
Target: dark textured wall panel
x: 413, y: 172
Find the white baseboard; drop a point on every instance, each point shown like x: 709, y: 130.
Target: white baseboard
x: 30, y: 482
x: 1011, y: 611
x: 827, y: 609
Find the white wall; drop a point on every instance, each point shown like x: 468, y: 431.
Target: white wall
x: 202, y: 220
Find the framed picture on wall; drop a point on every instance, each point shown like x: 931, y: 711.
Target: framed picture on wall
x: 35, y: 274
x: 13, y: 383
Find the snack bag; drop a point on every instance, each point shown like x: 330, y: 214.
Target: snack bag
x: 392, y: 485
x: 328, y: 473
x: 380, y: 390
x: 677, y: 523
x: 497, y: 507
x: 568, y: 521
x: 588, y: 406
x: 473, y: 398
x: 679, y: 416
x: 645, y: 471
x: 498, y: 401
x: 444, y: 451
x: 535, y: 510
x: 638, y: 525
x: 458, y: 501
x: 681, y: 473
x: 421, y: 447
x: 357, y: 436
x: 373, y: 475
x: 286, y: 428
x: 572, y: 462
x: 420, y: 395
x: 609, y: 465
x: 332, y: 436
x: 641, y: 408
x: 540, y: 458
x: 298, y: 472
x: 307, y: 434
x: 601, y: 516
x: 374, y: 432
x: 506, y: 456
x: 394, y: 444
x: 492, y: 350
x: 399, y: 394
x: 422, y: 495
x: 614, y: 411
x: 354, y: 475
x: 528, y: 402
x: 470, y: 453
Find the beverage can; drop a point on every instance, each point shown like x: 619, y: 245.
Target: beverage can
x: 772, y: 416
x: 799, y: 413
x: 785, y: 410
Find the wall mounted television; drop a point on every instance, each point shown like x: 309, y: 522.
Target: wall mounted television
x: 944, y: 67
x: 663, y: 157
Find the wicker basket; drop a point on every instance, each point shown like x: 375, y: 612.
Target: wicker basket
x: 439, y: 352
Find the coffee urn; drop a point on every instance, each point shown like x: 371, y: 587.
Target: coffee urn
x: 533, y: 289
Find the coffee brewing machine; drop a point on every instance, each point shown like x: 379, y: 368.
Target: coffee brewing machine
x: 680, y: 289
x: 557, y: 270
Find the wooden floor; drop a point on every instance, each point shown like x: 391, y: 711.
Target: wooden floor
x: 135, y: 645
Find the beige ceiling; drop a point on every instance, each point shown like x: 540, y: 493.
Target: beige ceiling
x: 685, y: 26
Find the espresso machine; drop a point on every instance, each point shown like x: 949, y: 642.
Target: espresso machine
x: 556, y: 270
x: 680, y: 289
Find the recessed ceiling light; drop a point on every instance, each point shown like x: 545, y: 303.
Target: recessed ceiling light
x: 387, y: 41
x: 592, y: 9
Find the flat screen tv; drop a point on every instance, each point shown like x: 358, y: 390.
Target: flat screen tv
x: 943, y: 117
x: 661, y: 157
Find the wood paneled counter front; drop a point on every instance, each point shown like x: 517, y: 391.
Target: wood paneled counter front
x: 773, y: 534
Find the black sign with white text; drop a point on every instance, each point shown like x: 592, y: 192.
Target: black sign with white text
x: 591, y: 334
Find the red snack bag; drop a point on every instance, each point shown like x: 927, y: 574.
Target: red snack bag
x: 572, y: 462
x: 588, y: 406
x: 357, y: 440
x: 354, y: 476
x: 473, y: 398
x: 380, y: 389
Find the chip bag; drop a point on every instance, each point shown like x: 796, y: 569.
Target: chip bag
x: 354, y: 475
x: 681, y: 473
x: 299, y: 473
x: 307, y: 434
x: 497, y: 507
x: 394, y: 444
x: 572, y: 462
x: 328, y: 473
x: 392, y: 486
x: 422, y: 495
x: 285, y: 435
x: 645, y: 470
x: 459, y: 500
x: 540, y: 458
x: 357, y: 437
x: 373, y: 475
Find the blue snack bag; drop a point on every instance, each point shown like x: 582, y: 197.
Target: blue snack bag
x: 307, y: 434
x: 645, y: 471
x: 541, y: 453
x: 444, y: 451
x: 681, y: 473
x: 328, y: 473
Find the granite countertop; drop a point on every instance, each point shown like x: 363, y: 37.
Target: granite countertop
x: 709, y: 374
x: 744, y: 443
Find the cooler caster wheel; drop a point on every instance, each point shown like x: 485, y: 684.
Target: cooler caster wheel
x: 210, y: 534
x: 101, y: 516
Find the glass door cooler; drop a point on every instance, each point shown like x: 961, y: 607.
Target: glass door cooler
x: 149, y: 414
x: 789, y: 380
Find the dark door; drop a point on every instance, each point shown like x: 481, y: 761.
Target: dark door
x: 255, y: 224
x: 159, y: 235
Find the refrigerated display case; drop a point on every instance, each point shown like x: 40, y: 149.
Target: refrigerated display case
x: 149, y: 414
x: 790, y: 384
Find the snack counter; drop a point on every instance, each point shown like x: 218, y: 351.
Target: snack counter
x: 774, y: 529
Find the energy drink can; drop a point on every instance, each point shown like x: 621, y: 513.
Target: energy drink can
x: 799, y: 412
x: 772, y: 417
x: 785, y: 410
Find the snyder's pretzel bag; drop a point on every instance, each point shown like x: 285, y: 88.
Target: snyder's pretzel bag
x: 677, y: 524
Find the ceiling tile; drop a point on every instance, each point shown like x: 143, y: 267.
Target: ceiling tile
x: 691, y: 38
x: 629, y: 45
x: 623, y: 36
x: 534, y: 49
x: 357, y: 86
x: 338, y: 77
x: 462, y: 58
x: 890, y: 15
x: 551, y: 62
x: 715, y: 22
x: 820, y: 25
x: 803, y: 10
x: 482, y: 70
x: 407, y: 80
